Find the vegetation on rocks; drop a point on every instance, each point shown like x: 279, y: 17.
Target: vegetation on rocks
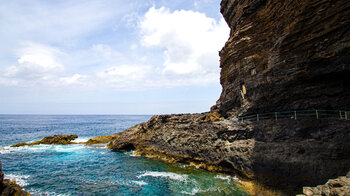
x: 214, y: 116
x: 55, y: 139
x: 102, y: 139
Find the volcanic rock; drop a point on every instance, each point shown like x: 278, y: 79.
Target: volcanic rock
x: 285, y: 55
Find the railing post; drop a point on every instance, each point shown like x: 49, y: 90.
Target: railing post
x: 257, y: 117
x: 295, y: 115
x: 276, y: 115
x: 341, y: 118
x: 316, y: 114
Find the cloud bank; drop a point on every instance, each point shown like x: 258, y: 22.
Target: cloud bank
x: 186, y: 43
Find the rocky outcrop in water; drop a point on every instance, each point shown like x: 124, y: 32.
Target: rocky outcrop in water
x: 55, y: 139
x: 281, y: 55
x: 10, y: 188
x: 102, y: 139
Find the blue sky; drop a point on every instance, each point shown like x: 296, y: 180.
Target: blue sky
x: 110, y: 56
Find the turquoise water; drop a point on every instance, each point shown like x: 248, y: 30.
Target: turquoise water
x: 82, y: 170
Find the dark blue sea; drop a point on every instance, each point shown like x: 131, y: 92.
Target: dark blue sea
x: 85, y: 170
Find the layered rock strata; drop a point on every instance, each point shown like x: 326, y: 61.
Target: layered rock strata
x: 285, y: 55
x: 281, y: 55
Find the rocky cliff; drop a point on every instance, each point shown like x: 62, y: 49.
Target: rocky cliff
x: 281, y: 55
x: 284, y: 55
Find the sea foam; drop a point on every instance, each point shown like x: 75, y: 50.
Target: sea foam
x: 221, y: 177
x: 78, y: 140
x: 169, y: 175
x: 140, y: 183
x: 20, y: 179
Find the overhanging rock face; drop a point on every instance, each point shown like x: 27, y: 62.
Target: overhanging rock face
x: 284, y: 55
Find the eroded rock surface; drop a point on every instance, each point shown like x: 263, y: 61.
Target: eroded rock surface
x: 285, y: 55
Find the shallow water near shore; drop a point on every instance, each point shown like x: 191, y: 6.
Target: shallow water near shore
x: 87, y: 170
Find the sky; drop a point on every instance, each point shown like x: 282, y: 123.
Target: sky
x: 110, y: 56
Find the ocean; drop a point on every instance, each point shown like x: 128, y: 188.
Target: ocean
x: 86, y: 170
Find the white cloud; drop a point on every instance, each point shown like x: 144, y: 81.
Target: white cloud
x: 178, y: 48
x: 75, y: 79
x: 38, y: 65
x: 125, y: 76
x: 191, y: 40
x: 35, y: 61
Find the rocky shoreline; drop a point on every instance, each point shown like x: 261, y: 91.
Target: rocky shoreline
x: 284, y: 155
x: 281, y: 56
x: 339, y: 186
x: 267, y: 158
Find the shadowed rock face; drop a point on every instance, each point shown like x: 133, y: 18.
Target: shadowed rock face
x: 290, y: 54
x: 281, y: 55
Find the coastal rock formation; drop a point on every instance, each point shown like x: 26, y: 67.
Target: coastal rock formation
x: 286, y: 154
x: 285, y: 55
x: 55, y: 139
x: 10, y: 188
x: 281, y: 55
x: 339, y: 186
x: 101, y: 139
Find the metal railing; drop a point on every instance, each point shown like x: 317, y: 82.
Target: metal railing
x: 297, y: 114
